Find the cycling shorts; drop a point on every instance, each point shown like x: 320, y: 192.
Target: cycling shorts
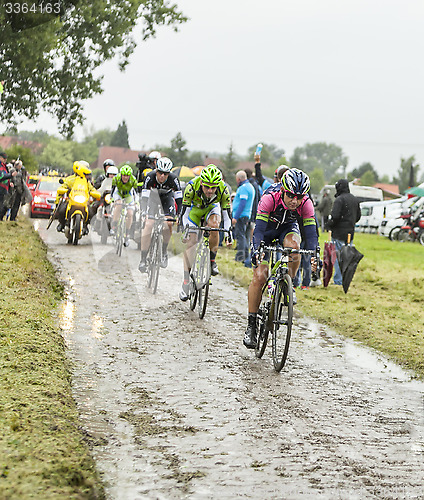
x: 196, y: 215
x: 129, y: 200
x: 279, y: 235
x: 167, y: 203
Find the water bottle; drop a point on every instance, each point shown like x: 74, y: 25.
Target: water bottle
x: 259, y: 149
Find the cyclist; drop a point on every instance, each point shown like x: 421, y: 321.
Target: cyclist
x: 106, y: 164
x: 276, y: 219
x: 204, y: 199
x: 81, y: 169
x: 161, y: 190
x: 123, y: 188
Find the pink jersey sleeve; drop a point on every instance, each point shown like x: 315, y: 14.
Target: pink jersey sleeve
x: 267, y: 203
x: 306, y: 210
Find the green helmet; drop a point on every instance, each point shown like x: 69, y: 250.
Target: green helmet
x: 211, y: 175
x: 126, y: 170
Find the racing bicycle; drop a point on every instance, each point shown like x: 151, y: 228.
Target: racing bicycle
x: 200, y: 274
x: 154, y: 254
x: 121, y: 228
x: 275, y: 314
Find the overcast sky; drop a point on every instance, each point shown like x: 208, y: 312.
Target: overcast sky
x: 348, y: 72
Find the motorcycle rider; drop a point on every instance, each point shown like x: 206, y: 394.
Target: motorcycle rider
x: 106, y: 165
x: 123, y: 188
x: 81, y: 169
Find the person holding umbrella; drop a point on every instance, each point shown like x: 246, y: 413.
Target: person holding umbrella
x: 344, y: 215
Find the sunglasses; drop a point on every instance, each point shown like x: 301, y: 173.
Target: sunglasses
x: 292, y: 196
x: 208, y: 186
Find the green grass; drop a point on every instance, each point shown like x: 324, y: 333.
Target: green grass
x: 384, y: 305
x: 42, y: 450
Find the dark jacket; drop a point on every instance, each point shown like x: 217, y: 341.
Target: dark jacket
x: 345, y: 213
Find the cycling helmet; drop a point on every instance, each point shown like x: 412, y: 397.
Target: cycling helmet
x: 296, y: 181
x: 211, y: 175
x: 108, y: 163
x: 81, y: 168
x: 112, y: 170
x: 155, y: 155
x: 279, y: 171
x: 126, y: 170
x: 164, y: 165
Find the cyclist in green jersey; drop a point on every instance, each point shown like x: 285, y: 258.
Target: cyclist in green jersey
x: 123, y: 188
x: 205, y: 197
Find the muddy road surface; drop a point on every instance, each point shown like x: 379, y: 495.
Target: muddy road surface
x: 175, y: 407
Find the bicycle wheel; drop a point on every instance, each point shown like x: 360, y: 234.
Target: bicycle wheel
x: 157, y: 257
x: 120, y: 236
x: 203, y: 294
x: 151, y: 260
x: 282, y: 323
x: 262, y: 330
x: 193, y: 293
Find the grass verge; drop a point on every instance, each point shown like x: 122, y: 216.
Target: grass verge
x: 383, y: 308
x: 42, y: 450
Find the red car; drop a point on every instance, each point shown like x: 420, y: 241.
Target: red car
x: 44, y: 196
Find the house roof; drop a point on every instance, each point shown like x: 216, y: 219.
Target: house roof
x: 390, y: 189
x: 6, y: 141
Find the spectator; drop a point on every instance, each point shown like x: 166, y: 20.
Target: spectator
x: 324, y: 208
x: 344, y: 215
x: 18, y: 188
x: 262, y: 181
x: 242, y: 213
x: 4, y: 183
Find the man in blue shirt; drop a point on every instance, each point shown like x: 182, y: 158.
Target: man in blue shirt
x: 242, y: 211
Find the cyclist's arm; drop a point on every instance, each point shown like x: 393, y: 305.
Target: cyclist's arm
x: 226, y: 218
x: 178, y: 194
x: 309, y: 224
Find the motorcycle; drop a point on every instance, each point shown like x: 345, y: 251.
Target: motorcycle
x: 103, y: 217
x: 77, y: 210
x: 413, y: 229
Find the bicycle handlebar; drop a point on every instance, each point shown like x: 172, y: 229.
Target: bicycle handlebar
x: 188, y: 228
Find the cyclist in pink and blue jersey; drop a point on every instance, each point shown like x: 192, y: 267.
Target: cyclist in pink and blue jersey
x: 276, y: 219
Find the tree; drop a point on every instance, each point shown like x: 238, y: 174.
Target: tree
x: 230, y: 165
x: 120, y: 138
x: 102, y: 137
x: 328, y: 157
x: 61, y: 154
x: 362, y: 169
x: 40, y: 136
x: 177, y: 152
x: 368, y: 178
x: 403, y: 178
x: 51, y: 61
x: 317, y: 180
x: 195, y: 158
x: 25, y: 155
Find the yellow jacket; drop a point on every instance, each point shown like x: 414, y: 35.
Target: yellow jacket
x: 68, y: 184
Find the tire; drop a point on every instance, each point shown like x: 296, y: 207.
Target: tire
x: 120, y: 237
x: 76, y: 229
x: 420, y: 237
x: 282, y: 323
x: 193, y: 294
x: 394, y: 233
x: 262, y: 331
x: 203, y: 294
x: 404, y: 235
x: 157, y: 260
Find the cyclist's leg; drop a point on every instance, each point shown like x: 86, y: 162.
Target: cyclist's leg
x: 254, y: 295
x: 168, y: 207
x: 290, y: 238
x: 116, y: 211
x: 146, y: 236
x: 213, y: 219
x: 192, y: 220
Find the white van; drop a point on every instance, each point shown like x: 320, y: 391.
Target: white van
x: 363, y: 193
x: 374, y: 212
x: 390, y: 226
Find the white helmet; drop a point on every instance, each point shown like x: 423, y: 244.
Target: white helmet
x: 164, y: 165
x: 155, y: 155
x: 112, y: 171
